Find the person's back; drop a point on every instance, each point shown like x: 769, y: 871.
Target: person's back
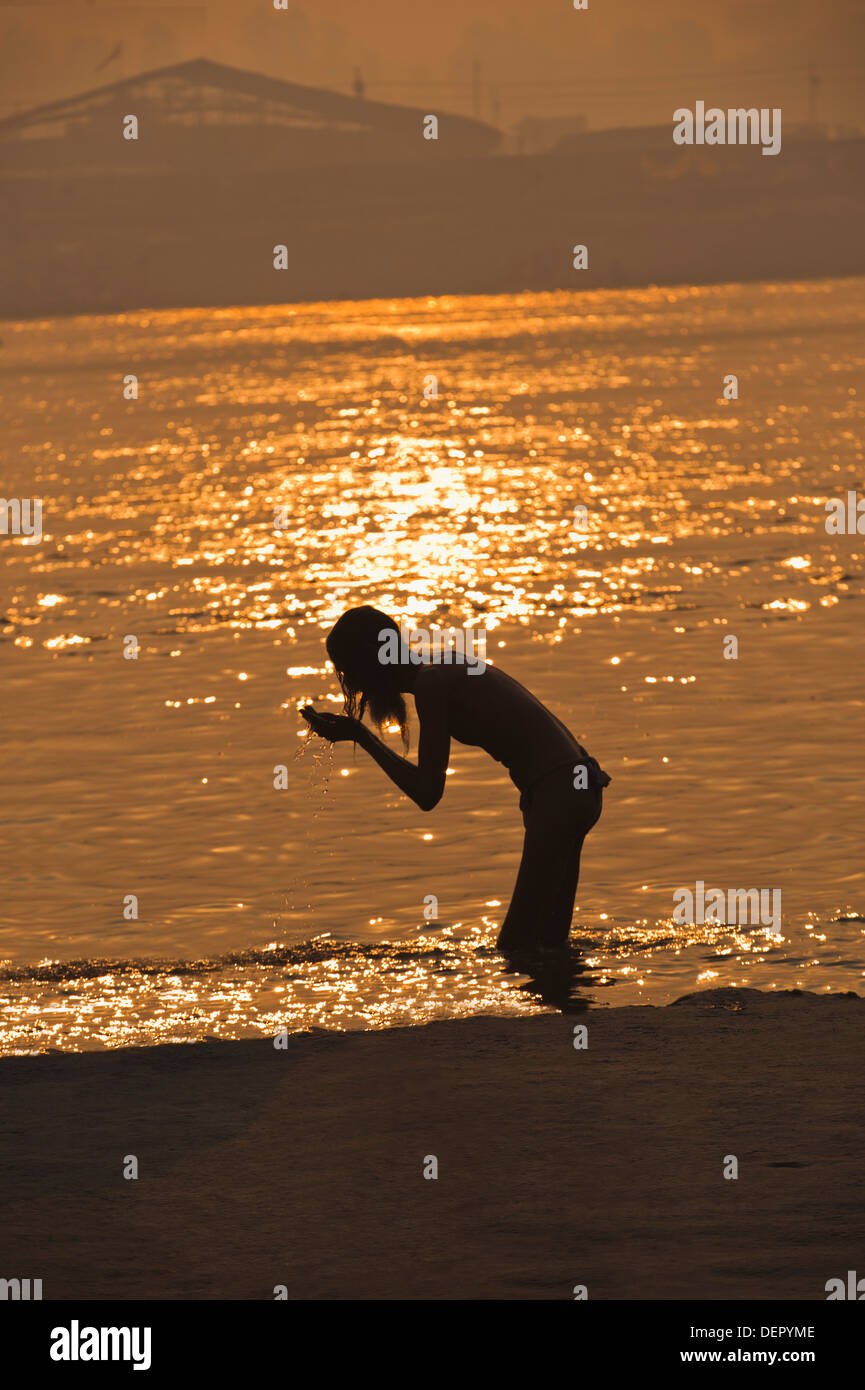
x: 491, y: 710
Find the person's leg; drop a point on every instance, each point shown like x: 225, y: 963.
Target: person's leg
x: 558, y: 819
x: 540, y: 890
x: 553, y: 926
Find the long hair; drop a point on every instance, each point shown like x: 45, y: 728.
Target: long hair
x: 368, y: 684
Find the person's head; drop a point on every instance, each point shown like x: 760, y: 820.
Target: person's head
x: 356, y: 645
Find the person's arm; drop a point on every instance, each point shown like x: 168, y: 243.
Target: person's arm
x: 425, y: 782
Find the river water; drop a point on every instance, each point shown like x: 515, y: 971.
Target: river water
x: 431, y: 457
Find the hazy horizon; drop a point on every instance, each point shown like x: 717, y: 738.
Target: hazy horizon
x: 499, y: 61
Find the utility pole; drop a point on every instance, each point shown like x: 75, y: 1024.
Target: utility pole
x: 496, y: 106
x: 813, y: 87
x: 476, y: 88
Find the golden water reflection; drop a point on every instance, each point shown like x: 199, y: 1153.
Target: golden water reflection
x: 576, y: 471
x: 577, y: 459
x: 328, y: 984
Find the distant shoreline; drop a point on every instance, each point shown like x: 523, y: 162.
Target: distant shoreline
x: 107, y: 243
x: 243, y: 307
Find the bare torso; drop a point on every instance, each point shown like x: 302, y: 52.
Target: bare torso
x: 493, y: 711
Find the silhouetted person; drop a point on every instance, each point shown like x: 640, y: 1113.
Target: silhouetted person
x: 561, y: 786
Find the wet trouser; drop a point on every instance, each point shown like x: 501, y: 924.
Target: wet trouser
x: 557, y: 817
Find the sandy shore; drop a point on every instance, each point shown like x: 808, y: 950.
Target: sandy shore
x: 303, y: 1167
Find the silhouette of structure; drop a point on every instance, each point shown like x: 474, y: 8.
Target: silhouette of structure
x: 202, y: 114
x: 230, y: 167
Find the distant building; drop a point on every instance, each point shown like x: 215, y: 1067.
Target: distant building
x: 540, y: 134
x: 637, y: 139
x: 202, y: 114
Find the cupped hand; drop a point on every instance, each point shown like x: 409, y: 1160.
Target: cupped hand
x: 336, y: 728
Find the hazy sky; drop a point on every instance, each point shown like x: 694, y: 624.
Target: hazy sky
x: 621, y: 62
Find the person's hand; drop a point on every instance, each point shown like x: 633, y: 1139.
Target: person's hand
x: 337, y: 728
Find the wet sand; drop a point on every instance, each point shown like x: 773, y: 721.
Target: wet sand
x: 303, y: 1167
